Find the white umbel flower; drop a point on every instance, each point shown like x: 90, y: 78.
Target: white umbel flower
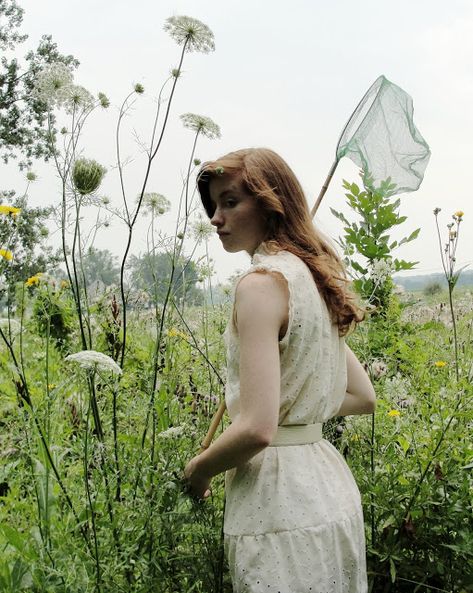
x: 50, y: 83
x: 93, y: 360
x: 192, y: 32
x: 76, y: 98
x: 201, y: 124
x: 381, y: 269
x: 173, y: 432
x: 202, y: 230
x: 156, y: 204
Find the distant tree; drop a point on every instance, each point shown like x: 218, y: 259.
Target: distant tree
x: 23, y: 117
x: 151, y: 273
x: 100, y: 265
x: 432, y: 288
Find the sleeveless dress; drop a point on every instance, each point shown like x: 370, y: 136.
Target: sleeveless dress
x: 293, y: 517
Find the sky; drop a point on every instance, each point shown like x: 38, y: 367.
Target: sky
x: 284, y: 75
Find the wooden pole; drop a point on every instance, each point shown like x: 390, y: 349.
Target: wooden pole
x: 222, y: 407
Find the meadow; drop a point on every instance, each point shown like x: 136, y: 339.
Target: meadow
x: 110, y: 375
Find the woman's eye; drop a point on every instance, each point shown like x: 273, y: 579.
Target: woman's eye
x: 231, y: 203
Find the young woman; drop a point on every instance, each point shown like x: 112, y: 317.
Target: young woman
x: 293, y: 517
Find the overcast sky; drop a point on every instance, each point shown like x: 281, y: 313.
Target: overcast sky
x: 285, y: 75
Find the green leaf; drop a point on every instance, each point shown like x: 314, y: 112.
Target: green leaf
x: 392, y: 570
x: 405, y: 444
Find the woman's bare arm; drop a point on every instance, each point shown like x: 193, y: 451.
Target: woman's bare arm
x: 261, y: 305
x: 360, y: 397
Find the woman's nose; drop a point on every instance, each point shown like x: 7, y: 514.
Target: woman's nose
x: 217, y: 219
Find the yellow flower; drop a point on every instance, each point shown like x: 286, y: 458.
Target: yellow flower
x: 440, y: 364
x: 8, y: 255
x: 51, y: 386
x: 394, y: 413
x: 459, y: 213
x: 64, y: 284
x: 9, y: 210
x: 33, y: 280
x: 174, y: 333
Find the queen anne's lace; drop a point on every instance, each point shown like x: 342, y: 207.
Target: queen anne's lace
x: 91, y: 359
x: 191, y: 32
x: 50, y: 83
x: 201, y: 124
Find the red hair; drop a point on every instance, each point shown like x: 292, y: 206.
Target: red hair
x: 267, y: 177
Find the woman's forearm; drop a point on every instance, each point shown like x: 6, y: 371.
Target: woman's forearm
x: 235, y: 446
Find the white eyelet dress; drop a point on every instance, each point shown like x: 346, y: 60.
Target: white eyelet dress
x: 293, y: 517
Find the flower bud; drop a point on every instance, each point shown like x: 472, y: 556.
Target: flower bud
x: 87, y: 176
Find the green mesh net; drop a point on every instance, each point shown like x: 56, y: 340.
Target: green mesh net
x: 381, y: 138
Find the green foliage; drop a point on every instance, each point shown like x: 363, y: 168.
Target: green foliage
x: 23, y: 118
x: 369, y: 238
x: 53, y: 314
x: 26, y: 237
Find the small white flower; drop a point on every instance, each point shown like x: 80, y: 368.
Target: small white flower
x: 379, y: 368
x: 202, y: 230
x: 381, y: 269
x: 75, y: 98
x: 189, y: 31
x: 173, y: 432
x: 91, y: 359
x: 201, y: 124
x: 156, y: 204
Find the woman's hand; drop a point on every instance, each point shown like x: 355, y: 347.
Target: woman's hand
x: 198, y: 484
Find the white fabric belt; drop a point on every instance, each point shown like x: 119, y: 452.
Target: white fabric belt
x: 297, y: 434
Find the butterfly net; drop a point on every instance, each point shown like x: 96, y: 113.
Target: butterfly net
x: 381, y: 138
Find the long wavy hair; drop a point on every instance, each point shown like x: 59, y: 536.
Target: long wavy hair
x: 267, y: 177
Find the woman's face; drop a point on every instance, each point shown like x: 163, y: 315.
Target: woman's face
x: 240, y: 222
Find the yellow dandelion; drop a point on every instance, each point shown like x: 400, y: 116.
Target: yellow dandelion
x: 9, y: 210
x: 173, y: 332
x: 440, y: 364
x: 394, y: 413
x: 459, y: 213
x: 8, y: 255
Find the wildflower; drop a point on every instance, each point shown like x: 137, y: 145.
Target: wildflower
x: 103, y: 100
x: 63, y: 130
x: 76, y: 97
x: 8, y: 255
x: 87, y: 175
x: 64, y: 284
x: 197, y: 162
x: 172, y: 432
x: 175, y: 333
x: 202, y: 230
x: 175, y: 73
x: 139, y: 88
x: 50, y: 81
x: 452, y: 235
x: 156, y: 203
x: 52, y: 386
x: 44, y: 231
x: 201, y: 124
x: 10, y: 324
x: 191, y: 33
x: 105, y: 201
x: 34, y: 280
x: 394, y: 413
x: 91, y: 359
x: 9, y: 210
x: 381, y: 269
x: 379, y: 368
x: 30, y: 176
x: 437, y: 211
x: 440, y: 364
